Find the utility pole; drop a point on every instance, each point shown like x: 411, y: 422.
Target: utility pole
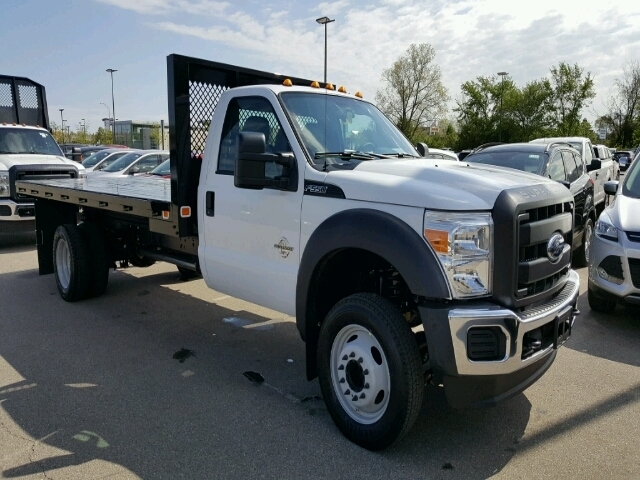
x: 113, y: 105
x: 502, y: 74
x: 84, y: 130
x: 62, y: 123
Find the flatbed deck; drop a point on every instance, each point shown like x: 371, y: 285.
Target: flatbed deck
x: 140, y: 196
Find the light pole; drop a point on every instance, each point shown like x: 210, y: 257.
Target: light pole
x: 502, y: 74
x: 324, y: 21
x: 62, y: 123
x: 108, y: 111
x: 84, y: 130
x: 113, y: 104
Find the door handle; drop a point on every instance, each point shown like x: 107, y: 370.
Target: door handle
x: 210, y: 203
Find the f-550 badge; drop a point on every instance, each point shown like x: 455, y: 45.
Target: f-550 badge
x: 284, y: 247
x: 316, y: 189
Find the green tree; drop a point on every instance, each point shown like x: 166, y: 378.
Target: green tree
x: 529, y: 110
x: 103, y: 136
x: 623, y: 116
x: 413, y: 93
x: 572, y: 92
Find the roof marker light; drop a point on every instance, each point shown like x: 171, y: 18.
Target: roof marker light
x: 330, y: 86
x: 315, y: 84
x: 287, y: 82
x: 342, y: 89
x: 359, y: 94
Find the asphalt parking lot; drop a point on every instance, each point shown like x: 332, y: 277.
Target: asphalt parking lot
x: 91, y: 390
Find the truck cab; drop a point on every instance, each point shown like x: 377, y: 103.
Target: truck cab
x: 27, y: 151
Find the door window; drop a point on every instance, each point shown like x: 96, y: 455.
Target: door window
x: 556, y: 168
x: 587, y: 153
x: 570, y: 166
x: 579, y: 163
x: 251, y: 114
x: 147, y: 164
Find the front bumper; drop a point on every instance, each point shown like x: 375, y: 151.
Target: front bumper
x: 475, y: 383
x: 627, y: 251
x: 11, y: 211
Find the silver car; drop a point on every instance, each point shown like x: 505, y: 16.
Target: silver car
x: 614, y: 259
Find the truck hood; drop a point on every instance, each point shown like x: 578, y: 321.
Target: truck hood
x: 624, y: 213
x: 439, y: 184
x: 9, y: 160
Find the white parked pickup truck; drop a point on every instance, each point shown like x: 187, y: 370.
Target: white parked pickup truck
x: 400, y: 270
x: 27, y: 150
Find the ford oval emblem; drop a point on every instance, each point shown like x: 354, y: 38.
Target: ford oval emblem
x: 555, y: 247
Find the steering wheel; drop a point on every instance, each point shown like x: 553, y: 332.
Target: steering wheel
x: 367, y: 147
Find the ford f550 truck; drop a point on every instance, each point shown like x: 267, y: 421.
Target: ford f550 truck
x: 27, y: 150
x: 303, y: 198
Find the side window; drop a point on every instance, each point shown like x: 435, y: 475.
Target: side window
x: 147, y: 164
x: 570, y: 166
x: 251, y: 114
x: 587, y: 153
x: 579, y: 163
x: 556, y: 168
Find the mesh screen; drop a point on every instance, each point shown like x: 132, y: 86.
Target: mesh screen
x: 6, y: 98
x: 203, y: 100
x: 28, y: 96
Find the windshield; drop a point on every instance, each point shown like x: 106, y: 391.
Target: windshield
x: 95, y: 157
x: 631, y: 186
x: 341, y: 131
x: 109, y: 159
x: 123, y: 162
x: 163, y: 169
x: 525, y: 161
x: 27, y: 141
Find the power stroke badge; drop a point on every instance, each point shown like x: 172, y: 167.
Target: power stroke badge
x: 284, y: 247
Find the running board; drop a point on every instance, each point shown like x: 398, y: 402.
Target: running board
x: 179, y: 261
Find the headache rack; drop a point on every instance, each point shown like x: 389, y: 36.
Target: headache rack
x: 23, y: 101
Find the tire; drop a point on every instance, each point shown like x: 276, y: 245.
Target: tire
x: 383, y: 357
x: 186, y: 274
x: 140, y: 261
x: 70, y: 263
x: 98, y: 258
x: 604, y: 305
x: 582, y: 254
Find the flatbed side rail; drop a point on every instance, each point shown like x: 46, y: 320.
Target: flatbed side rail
x: 23, y: 101
x: 194, y: 88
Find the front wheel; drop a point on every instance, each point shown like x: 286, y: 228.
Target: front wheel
x: 582, y: 255
x: 370, y: 371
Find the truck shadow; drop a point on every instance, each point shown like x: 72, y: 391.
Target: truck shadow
x: 614, y: 336
x: 15, y: 243
x: 103, y: 384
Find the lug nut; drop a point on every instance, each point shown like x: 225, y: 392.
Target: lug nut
x: 345, y: 358
x: 341, y: 367
x: 352, y: 355
x: 348, y: 392
x: 366, y: 371
x: 355, y: 398
x: 366, y: 385
x: 362, y: 395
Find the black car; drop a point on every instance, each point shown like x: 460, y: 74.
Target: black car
x: 557, y: 161
x: 624, y: 158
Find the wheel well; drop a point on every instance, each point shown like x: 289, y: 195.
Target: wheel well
x: 347, y: 271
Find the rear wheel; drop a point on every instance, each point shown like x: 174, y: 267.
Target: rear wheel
x: 604, y: 305
x: 70, y: 263
x: 370, y: 371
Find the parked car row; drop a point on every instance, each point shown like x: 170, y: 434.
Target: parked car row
x: 131, y: 162
x: 606, y: 239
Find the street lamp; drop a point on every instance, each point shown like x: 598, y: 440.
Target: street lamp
x: 113, y: 104
x: 324, y: 21
x: 84, y: 129
x: 502, y: 74
x: 62, y: 123
x: 108, y: 111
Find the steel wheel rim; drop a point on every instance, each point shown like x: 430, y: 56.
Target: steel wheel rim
x: 587, y: 241
x: 360, y: 374
x: 63, y: 263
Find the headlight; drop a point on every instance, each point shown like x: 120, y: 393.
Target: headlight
x: 463, y: 243
x: 4, y: 183
x: 605, y: 229
x: 82, y: 174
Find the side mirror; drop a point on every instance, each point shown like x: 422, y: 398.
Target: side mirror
x: 565, y: 183
x: 594, y: 165
x: 423, y: 149
x: 251, y: 162
x: 611, y: 188
x: 76, y: 154
x: 134, y: 170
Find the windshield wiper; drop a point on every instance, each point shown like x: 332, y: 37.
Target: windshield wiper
x: 401, y: 155
x: 347, y: 154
